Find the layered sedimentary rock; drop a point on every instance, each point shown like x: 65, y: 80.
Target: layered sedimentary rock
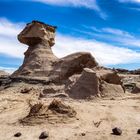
x: 97, y: 82
x: 39, y: 58
x: 77, y: 75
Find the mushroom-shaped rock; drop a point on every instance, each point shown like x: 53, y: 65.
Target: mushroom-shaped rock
x: 39, y: 57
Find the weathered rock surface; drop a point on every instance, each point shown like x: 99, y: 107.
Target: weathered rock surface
x: 97, y: 83
x: 41, y: 65
x: 136, y: 88
x: 39, y: 57
x: 86, y: 86
x: 56, y: 111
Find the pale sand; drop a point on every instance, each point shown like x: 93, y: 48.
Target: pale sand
x: 95, y: 118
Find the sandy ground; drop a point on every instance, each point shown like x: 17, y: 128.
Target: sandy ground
x: 95, y: 118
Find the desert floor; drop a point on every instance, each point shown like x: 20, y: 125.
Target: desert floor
x: 95, y: 118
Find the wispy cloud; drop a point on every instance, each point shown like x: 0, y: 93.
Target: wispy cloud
x: 119, y: 37
x: 106, y: 54
x: 116, y: 32
x: 90, y: 4
x: 132, y: 1
x: 72, y: 3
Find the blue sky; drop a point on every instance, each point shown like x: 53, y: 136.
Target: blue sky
x: 109, y: 29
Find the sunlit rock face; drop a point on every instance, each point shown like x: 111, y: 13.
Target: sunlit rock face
x: 39, y: 57
x: 78, y: 75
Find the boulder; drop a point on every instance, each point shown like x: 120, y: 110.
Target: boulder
x: 136, y: 88
x: 97, y: 82
x: 73, y: 64
x: 86, y: 86
x: 39, y: 59
x: 111, y: 90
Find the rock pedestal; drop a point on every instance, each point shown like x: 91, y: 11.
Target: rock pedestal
x: 41, y: 63
x: 39, y: 57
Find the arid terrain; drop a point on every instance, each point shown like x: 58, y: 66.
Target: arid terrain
x: 95, y: 118
x: 71, y: 98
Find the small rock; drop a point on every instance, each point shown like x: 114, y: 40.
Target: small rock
x: 26, y: 90
x: 43, y: 135
x: 116, y: 131
x: 138, y: 132
x: 83, y: 134
x: 17, y: 134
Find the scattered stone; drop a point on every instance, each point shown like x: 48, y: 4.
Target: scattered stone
x: 26, y: 90
x: 44, y: 135
x: 116, y: 131
x: 83, y: 134
x: 138, y: 132
x: 17, y: 134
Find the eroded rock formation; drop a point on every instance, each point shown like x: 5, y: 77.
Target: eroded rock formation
x: 77, y: 75
x: 39, y: 58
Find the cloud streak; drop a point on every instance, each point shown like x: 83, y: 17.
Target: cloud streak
x: 119, y: 37
x: 132, y: 1
x: 72, y: 3
x: 90, y: 4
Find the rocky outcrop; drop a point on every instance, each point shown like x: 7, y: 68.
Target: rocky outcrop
x: 86, y: 86
x: 39, y: 59
x: 72, y: 64
x: 136, y: 88
x: 96, y: 82
x: 77, y: 75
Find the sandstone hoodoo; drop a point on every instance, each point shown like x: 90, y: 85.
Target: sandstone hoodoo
x: 39, y: 58
x: 78, y: 75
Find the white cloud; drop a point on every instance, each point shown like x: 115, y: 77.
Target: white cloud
x: 90, y: 4
x: 117, y: 32
x: 8, y: 28
x: 9, y: 70
x: 105, y: 53
x: 9, y: 44
x: 120, y: 37
x: 73, y: 3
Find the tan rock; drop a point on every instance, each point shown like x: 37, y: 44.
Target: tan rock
x: 73, y: 64
x: 86, y: 86
x: 136, y: 88
x: 39, y: 57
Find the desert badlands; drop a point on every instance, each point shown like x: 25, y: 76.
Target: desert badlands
x: 69, y: 98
